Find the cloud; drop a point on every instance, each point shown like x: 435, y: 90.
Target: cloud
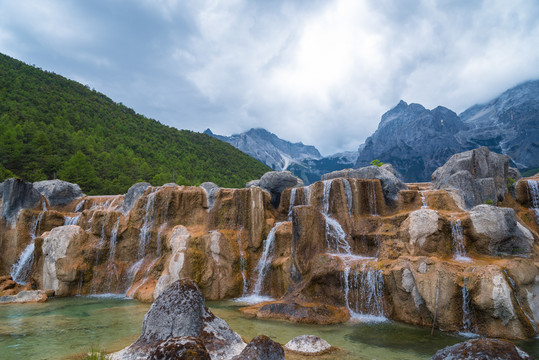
x: 321, y: 72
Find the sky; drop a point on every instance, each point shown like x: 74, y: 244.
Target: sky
x: 319, y: 72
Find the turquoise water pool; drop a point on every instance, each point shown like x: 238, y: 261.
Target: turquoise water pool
x: 66, y: 328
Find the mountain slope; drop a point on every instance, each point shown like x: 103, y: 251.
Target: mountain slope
x: 54, y: 127
x: 414, y: 140
x: 509, y: 124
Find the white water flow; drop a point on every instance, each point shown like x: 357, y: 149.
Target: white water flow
x: 80, y: 205
x: 131, y: 292
x: 265, y: 260
x: 242, y: 265
x: 335, y: 236
x: 44, y: 205
x: 71, y: 220
x: 466, y: 308
x: 458, y: 240
x: 307, y: 195
x: 348, y: 193
x: 372, y: 198
x: 292, y: 201
x: 423, y: 200
x: 533, y: 188
x: 112, y: 272
x: 20, y: 271
x: 145, y: 234
x: 514, y: 288
x: 99, y: 250
x: 132, y: 273
x: 364, y: 291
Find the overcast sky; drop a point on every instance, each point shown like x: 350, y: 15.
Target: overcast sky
x: 320, y: 72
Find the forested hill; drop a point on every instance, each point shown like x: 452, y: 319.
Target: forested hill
x: 52, y: 127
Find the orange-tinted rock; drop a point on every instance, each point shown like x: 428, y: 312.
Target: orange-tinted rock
x: 307, y: 313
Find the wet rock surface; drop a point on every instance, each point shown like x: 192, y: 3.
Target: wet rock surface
x: 18, y: 195
x: 26, y: 296
x: 276, y: 181
x: 482, y: 349
x: 133, y: 194
x: 261, y: 348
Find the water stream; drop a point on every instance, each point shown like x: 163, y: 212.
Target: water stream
x: 20, y: 271
x: 533, y: 187
x: 458, y: 240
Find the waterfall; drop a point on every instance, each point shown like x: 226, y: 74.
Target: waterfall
x: 372, y: 198
x: 327, y: 191
x: 111, y: 268
x: 131, y: 292
x: 292, y: 201
x: 423, y: 200
x: 80, y: 205
x: 307, y: 195
x: 364, y: 291
x: 20, y: 271
x: 132, y: 273
x: 348, y: 193
x: 44, y: 205
x: 242, y: 265
x: 265, y: 260
x: 145, y: 235
x: 71, y: 220
x: 466, y: 309
x: 514, y: 288
x: 458, y: 240
x: 99, y: 249
x: 533, y: 188
x: 335, y: 235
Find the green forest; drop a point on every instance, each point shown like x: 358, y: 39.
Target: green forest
x: 52, y: 127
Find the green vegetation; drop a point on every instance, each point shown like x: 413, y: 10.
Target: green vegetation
x: 377, y: 162
x: 510, y: 182
x: 96, y: 355
x: 530, y: 172
x: 52, y: 127
x: 489, y: 202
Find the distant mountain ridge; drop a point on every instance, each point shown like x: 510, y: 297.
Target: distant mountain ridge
x: 305, y: 161
x: 417, y: 141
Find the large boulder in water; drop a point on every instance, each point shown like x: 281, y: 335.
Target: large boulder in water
x: 58, y: 192
x: 261, y: 348
x: 180, y: 312
x: 498, y: 231
x: 18, y: 195
x: 391, y: 184
x: 180, y: 348
x: 308, y: 345
x: 133, y: 194
x: 477, y: 176
x: 276, y: 181
x: 482, y: 349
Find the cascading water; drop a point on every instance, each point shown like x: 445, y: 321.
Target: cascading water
x: 99, y: 250
x: 79, y: 206
x: 458, y: 240
x: 466, y: 309
x: 423, y: 200
x: 533, y: 188
x: 335, y: 235
x: 147, y: 224
x: 348, y: 193
x: 132, y: 291
x: 242, y: 265
x: 292, y: 201
x: 372, y: 198
x: 364, y: 292
x: 112, y: 272
x: 71, y: 220
x: 262, y: 269
x: 20, y: 271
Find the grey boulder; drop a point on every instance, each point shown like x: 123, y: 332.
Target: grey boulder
x: 261, y: 348
x: 391, y: 184
x: 133, y: 194
x: 180, y: 312
x: 211, y: 190
x: 477, y: 176
x: 18, y: 195
x: 501, y: 231
x: 275, y: 182
x: 58, y: 192
x: 180, y: 348
x: 482, y: 349
x: 308, y: 345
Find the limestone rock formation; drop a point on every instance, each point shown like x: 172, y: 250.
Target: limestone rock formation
x: 261, y: 348
x: 180, y: 312
x: 477, y: 176
x: 500, y: 232
x: 308, y: 345
x: 18, y: 195
x: 391, y: 184
x: 482, y: 349
x: 58, y: 192
x: 27, y: 296
x: 133, y: 194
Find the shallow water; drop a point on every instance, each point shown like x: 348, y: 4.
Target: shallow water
x: 65, y: 328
